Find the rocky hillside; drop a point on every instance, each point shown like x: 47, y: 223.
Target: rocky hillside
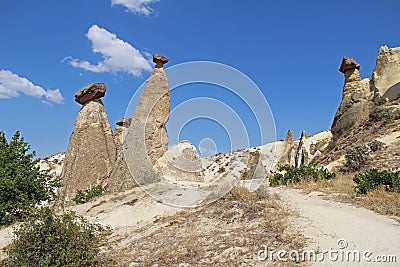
x: 366, y: 128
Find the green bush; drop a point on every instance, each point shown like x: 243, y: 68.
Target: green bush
x: 22, y: 184
x: 293, y: 175
x: 84, y: 196
x: 374, y: 178
x: 357, y: 158
x: 48, y: 239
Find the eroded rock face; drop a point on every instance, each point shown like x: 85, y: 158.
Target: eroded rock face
x: 91, y: 151
x: 146, y: 138
x: 120, y: 178
x: 386, y: 76
x: 289, y: 153
x: 120, y: 132
x: 356, y: 102
x: 301, y: 155
x: 153, y: 111
x: 181, y: 162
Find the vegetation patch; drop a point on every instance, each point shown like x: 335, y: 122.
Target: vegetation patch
x: 48, y: 239
x: 359, y: 156
x: 86, y: 195
x: 374, y: 178
x: 22, y: 184
x: 292, y: 175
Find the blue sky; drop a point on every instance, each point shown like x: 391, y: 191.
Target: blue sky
x: 291, y: 49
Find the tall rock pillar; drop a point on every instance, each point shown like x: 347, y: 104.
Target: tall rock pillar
x: 153, y: 110
x: 146, y: 140
x: 356, y: 101
x: 91, y: 150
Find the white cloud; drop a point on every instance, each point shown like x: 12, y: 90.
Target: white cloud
x: 118, y: 55
x: 136, y: 6
x: 11, y: 85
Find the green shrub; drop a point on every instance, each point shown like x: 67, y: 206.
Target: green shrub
x: 385, y: 115
x: 84, y: 196
x: 374, y: 178
x: 248, y: 173
x: 48, y: 239
x: 357, y: 158
x: 376, y: 145
x: 22, y: 184
x: 293, y: 175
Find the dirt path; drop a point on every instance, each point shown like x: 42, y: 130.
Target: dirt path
x: 325, y: 222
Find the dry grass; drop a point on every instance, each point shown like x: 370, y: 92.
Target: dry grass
x: 342, y: 189
x: 228, y: 232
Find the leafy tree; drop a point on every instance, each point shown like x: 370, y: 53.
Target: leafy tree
x: 50, y: 239
x: 22, y: 184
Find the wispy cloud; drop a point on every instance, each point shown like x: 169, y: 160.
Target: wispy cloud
x: 136, y: 6
x: 11, y: 85
x: 118, y: 55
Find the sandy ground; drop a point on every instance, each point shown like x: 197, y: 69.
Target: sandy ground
x: 325, y: 222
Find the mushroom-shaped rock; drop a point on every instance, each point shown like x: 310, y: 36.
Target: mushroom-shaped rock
x: 90, y: 92
x: 91, y: 150
x: 350, y: 69
x: 159, y: 60
x: 124, y: 122
x: 348, y: 64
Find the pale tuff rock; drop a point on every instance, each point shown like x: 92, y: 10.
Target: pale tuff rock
x: 146, y: 139
x: 289, y: 153
x: 54, y: 164
x: 386, y: 75
x: 120, y: 132
x: 120, y: 178
x: 269, y: 156
x: 125, y: 122
x: 181, y: 163
x: 356, y: 102
x: 91, y: 151
x: 301, y: 155
x: 153, y: 110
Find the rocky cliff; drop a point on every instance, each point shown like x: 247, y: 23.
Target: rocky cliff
x: 366, y: 128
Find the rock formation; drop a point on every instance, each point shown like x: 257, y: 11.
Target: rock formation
x: 120, y: 132
x: 146, y: 139
x: 386, y: 76
x: 90, y: 92
x: 91, y: 151
x: 181, y: 162
x: 153, y: 110
x: 301, y: 155
x: 289, y: 153
x: 356, y: 101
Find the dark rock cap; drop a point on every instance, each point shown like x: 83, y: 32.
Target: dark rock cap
x: 159, y: 60
x: 348, y: 64
x: 90, y: 92
x: 125, y: 122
